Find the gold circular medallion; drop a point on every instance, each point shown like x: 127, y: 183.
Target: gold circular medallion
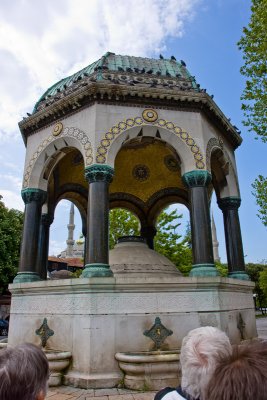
x: 57, y: 129
x: 150, y: 115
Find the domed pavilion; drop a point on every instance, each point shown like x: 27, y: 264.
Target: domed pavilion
x: 140, y: 134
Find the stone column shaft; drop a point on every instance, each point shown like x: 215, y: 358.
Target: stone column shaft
x: 149, y: 232
x: 233, y: 237
x: 33, y: 199
x: 98, y: 223
x: 203, y: 261
x: 43, y: 245
x: 97, y: 252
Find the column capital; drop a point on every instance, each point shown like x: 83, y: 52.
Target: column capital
x: 99, y: 173
x: 196, y: 178
x: 47, y: 219
x: 229, y: 203
x: 33, y: 194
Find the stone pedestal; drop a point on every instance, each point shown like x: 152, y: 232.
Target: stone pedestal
x: 95, y: 318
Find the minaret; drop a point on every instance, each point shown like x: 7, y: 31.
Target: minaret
x: 71, y: 227
x: 215, y: 242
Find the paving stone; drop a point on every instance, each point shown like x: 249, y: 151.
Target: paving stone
x: 71, y: 390
x: 86, y: 394
x: 121, y: 397
x: 98, y: 398
x: 61, y: 396
x: 144, y: 396
x: 106, y: 392
x: 127, y: 391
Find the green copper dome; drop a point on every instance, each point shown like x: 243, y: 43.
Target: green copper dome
x: 111, y: 62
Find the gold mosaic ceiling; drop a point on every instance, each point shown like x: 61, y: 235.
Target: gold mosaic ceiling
x: 142, y: 168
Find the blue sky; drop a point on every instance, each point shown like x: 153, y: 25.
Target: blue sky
x: 56, y: 38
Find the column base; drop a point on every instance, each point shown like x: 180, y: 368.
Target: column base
x: 23, y: 277
x: 239, y: 275
x: 98, y: 269
x: 204, y: 270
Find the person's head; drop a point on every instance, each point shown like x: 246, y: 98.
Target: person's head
x: 200, y: 351
x: 241, y: 375
x: 24, y: 373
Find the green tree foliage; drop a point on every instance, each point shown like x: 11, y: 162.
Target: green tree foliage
x: 121, y: 223
x: 254, y: 272
x: 11, y: 223
x: 222, y: 268
x: 170, y: 244
x: 253, y: 44
x: 260, y: 192
x: 262, y: 283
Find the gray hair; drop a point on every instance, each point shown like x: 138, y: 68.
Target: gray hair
x: 201, y: 351
x: 24, y: 372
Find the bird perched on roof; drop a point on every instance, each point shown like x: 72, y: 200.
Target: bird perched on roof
x: 173, y: 58
x: 183, y: 63
x: 161, y: 57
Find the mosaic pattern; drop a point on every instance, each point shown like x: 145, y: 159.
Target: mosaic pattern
x: 150, y: 115
x: 69, y: 132
x: 140, y: 121
x: 171, y: 163
x: 58, y: 129
x: 141, y: 172
x: 158, y: 333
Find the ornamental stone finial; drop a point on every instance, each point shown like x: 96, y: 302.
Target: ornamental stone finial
x: 196, y: 178
x: 33, y: 194
x: 99, y: 173
x: 229, y: 203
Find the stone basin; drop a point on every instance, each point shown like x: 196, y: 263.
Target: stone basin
x: 58, y: 361
x: 150, y: 370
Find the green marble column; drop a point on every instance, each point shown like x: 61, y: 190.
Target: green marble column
x: 203, y: 262
x: 43, y: 245
x: 97, y: 254
x: 33, y: 199
x: 233, y: 237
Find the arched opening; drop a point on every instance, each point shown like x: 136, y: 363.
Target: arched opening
x: 147, y: 179
x: 122, y: 222
x: 173, y: 237
x: 66, y: 241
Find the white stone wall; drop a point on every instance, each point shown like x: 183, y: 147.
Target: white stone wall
x: 94, y: 121
x: 95, y: 318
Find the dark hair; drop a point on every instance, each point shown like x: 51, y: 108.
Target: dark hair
x: 24, y: 372
x: 242, y: 375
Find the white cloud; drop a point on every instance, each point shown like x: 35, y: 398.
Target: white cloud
x: 56, y: 38
x: 12, y: 199
x: 14, y: 180
x: 56, y: 247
